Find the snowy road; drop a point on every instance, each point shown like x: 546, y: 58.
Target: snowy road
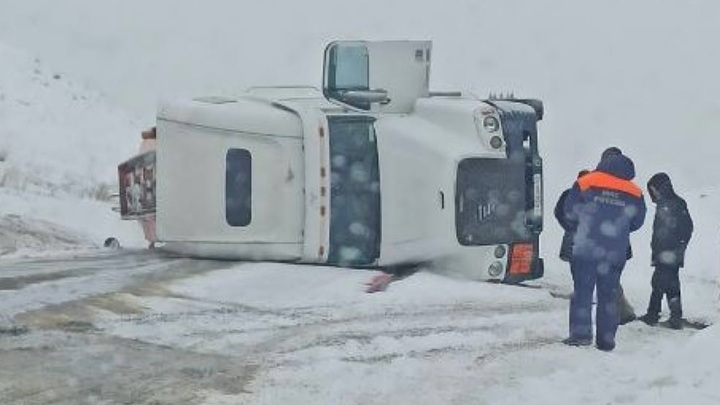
x: 138, y: 327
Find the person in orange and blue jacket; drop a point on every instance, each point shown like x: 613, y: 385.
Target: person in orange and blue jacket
x: 602, y: 208
x: 626, y: 312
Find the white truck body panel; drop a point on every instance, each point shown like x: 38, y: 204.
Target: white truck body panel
x: 298, y: 195
x: 191, y: 187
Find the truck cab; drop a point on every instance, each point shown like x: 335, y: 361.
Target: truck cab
x: 374, y: 170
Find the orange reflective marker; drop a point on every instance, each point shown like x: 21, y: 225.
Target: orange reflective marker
x: 521, y: 258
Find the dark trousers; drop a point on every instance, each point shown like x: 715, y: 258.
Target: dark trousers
x: 666, y: 281
x: 587, y: 276
x: 626, y: 312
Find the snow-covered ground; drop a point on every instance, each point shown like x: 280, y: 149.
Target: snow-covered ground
x: 134, y: 327
x: 184, y: 331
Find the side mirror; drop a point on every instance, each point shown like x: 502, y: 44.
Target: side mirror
x: 364, y: 96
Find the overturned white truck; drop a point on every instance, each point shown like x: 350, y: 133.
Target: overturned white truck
x: 374, y: 171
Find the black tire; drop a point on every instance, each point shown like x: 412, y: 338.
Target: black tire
x: 111, y: 243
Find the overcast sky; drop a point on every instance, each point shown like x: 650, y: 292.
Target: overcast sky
x: 642, y: 75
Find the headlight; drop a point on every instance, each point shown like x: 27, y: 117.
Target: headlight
x: 496, y: 142
x: 495, y: 269
x: 491, y: 124
x: 500, y: 251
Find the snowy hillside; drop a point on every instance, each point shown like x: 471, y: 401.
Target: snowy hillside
x: 59, y: 148
x: 55, y: 136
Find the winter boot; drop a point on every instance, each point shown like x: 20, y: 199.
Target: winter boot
x: 606, y: 347
x: 571, y: 341
x: 676, y: 312
x: 675, y: 323
x: 650, y: 319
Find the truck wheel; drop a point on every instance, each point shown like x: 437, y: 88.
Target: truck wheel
x: 111, y: 243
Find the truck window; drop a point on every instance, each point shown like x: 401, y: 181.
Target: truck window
x: 347, y: 71
x: 238, y: 187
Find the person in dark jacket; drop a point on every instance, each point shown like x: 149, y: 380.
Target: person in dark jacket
x: 672, y: 229
x: 567, y: 226
x: 603, y: 207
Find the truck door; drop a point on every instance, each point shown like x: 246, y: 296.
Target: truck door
x: 378, y: 76
x: 354, y: 192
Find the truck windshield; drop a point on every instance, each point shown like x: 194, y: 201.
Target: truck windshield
x: 500, y: 200
x: 354, y: 192
x: 490, y: 202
